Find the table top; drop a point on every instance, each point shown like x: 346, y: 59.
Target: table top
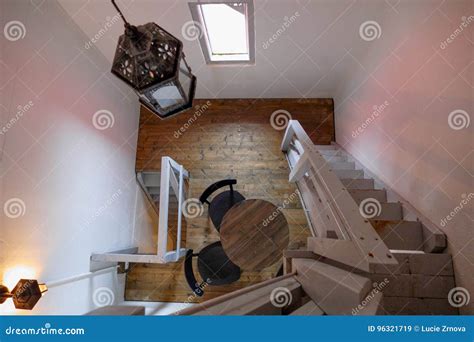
x: 254, y: 234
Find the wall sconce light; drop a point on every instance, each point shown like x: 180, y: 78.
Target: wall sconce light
x: 25, y: 294
x: 151, y: 61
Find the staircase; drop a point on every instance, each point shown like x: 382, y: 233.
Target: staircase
x: 167, y: 191
x: 364, y: 257
x: 421, y: 282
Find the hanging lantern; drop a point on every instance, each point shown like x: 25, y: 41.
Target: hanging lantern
x: 152, y: 62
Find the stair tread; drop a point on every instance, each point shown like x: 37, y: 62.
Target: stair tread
x: 253, y: 301
x: 308, y: 309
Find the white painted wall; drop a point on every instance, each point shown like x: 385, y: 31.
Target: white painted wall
x: 77, y: 183
x: 305, y: 60
x: 410, y: 144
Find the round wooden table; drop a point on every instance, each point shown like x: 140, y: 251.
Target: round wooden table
x: 254, y: 234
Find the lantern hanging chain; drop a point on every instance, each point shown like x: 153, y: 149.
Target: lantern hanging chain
x: 120, y: 13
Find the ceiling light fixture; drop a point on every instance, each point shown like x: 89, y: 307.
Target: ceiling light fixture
x: 151, y: 61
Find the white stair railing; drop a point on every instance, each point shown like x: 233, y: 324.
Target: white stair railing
x: 172, y: 177
x: 340, y: 232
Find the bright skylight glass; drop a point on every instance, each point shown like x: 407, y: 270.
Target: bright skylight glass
x: 226, y: 27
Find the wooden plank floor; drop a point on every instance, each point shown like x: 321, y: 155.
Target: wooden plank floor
x: 221, y: 139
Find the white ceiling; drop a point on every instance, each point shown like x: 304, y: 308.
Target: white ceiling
x: 311, y: 58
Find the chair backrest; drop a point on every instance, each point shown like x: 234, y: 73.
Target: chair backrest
x: 216, y: 186
x: 189, y: 274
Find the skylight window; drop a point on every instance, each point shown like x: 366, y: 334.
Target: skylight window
x: 225, y: 31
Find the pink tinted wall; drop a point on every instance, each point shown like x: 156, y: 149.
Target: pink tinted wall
x: 405, y: 113
x: 67, y: 174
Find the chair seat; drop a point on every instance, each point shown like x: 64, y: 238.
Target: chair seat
x: 221, y: 204
x: 215, y: 267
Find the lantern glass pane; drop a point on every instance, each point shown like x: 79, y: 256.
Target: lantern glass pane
x: 168, y: 96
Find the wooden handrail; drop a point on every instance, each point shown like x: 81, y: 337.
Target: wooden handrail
x: 228, y: 296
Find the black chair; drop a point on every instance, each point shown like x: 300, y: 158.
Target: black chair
x: 221, y: 203
x: 214, y: 267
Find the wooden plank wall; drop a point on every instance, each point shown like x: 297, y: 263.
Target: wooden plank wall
x: 218, y: 139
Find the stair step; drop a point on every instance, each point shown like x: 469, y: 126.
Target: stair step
x: 405, y: 235
x: 332, y: 152
x: 360, y: 195
x: 362, y: 184
x: 414, y: 285
x: 418, y: 306
x: 259, y: 301
x: 342, y: 165
x: 325, y: 147
x: 349, y: 174
x: 153, y: 190
x: 335, y: 158
x: 308, y: 309
x: 418, y: 263
x: 151, y: 178
x: 391, y: 211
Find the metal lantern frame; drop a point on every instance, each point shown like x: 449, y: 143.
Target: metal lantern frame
x: 149, y: 59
